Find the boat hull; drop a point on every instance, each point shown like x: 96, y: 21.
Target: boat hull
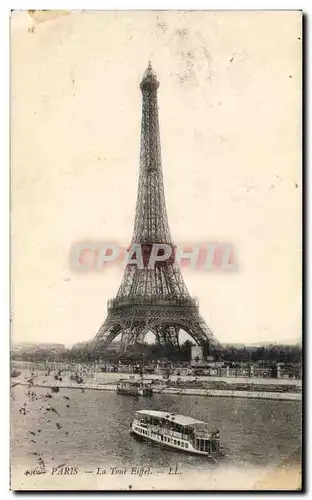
x: 161, y: 444
x: 134, y: 392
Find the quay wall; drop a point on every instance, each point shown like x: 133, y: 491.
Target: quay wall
x: 286, y: 396
x: 109, y: 377
x: 108, y: 382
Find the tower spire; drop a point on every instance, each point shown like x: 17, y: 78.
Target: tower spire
x: 149, y: 79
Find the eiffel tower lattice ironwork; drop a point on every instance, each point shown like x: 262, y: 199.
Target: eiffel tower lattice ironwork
x: 157, y: 299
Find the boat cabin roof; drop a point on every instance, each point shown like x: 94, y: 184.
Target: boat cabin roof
x: 172, y: 417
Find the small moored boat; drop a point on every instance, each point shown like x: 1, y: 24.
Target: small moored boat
x: 134, y: 388
x: 177, y: 432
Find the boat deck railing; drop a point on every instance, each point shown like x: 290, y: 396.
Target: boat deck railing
x: 170, y: 432
x: 201, y: 433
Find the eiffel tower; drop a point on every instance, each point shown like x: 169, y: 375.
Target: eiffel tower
x: 152, y: 300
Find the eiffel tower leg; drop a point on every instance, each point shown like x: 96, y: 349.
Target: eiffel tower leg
x: 199, y: 331
x: 174, y: 333
x: 160, y: 338
x: 125, y: 341
x: 106, y: 334
x: 129, y: 337
x: 168, y: 334
x: 143, y: 330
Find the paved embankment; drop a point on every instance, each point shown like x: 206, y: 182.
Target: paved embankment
x: 283, y: 389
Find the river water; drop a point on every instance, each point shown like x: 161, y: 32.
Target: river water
x: 91, y: 429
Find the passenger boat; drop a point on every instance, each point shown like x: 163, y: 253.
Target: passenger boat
x: 177, y: 432
x: 134, y: 388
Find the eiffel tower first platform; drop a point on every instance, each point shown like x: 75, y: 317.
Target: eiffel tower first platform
x: 157, y: 299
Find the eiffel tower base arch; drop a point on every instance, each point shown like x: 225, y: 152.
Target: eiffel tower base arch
x: 165, y: 322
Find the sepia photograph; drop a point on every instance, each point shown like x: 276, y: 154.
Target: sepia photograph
x: 156, y: 250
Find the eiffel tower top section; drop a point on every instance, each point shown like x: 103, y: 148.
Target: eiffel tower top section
x: 151, y: 221
x: 149, y: 80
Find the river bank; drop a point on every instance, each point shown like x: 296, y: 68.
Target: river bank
x: 184, y: 391
x: 283, y: 390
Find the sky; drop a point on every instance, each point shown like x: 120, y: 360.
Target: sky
x: 230, y: 126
